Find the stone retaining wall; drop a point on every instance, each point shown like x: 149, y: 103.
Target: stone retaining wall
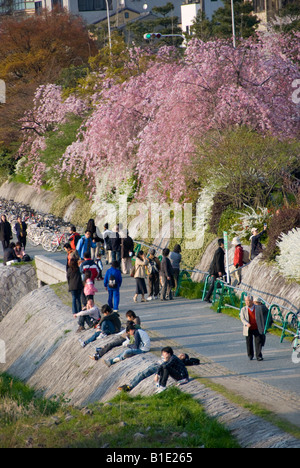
x: 15, y: 283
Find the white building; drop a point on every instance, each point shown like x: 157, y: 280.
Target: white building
x: 93, y: 11
x: 190, y: 8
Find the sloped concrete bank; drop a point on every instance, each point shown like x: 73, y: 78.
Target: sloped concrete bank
x: 45, y: 353
x: 15, y: 282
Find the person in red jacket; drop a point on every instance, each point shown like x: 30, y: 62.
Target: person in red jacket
x: 238, y: 258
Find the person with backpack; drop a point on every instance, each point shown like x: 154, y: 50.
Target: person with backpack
x: 153, y: 269
x: 74, y: 237
x: 85, y: 244
x: 112, y: 283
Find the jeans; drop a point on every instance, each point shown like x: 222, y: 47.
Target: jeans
x: 114, y: 298
x: 144, y: 374
x: 129, y: 352
x: 76, y: 302
x: 116, y: 256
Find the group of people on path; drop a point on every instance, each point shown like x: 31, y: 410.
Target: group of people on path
x: 85, y: 266
x: 162, y: 274
x: 254, y: 314
x: 13, y: 252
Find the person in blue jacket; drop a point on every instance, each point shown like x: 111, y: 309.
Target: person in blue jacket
x: 113, y: 282
x: 85, y: 244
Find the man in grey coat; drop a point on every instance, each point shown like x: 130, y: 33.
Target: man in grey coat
x: 253, y: 320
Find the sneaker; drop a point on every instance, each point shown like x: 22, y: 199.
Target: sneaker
x: 124, y: 388
x: 102, y: 335
x: 108, y: 362
x: 182, y: 382
x: 150, y: 298
x: 94, y: 357
x: 82, y: 343
x: 160, y: 389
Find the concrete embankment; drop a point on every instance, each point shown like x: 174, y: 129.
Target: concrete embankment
x: 42, y: 349
x: 15, y: 283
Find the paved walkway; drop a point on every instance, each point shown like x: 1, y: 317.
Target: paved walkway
x: 217, y: 339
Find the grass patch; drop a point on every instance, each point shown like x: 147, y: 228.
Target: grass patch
x: 170, y: 419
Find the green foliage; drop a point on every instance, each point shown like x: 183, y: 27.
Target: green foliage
x: 191, y: 290
x: 249, y: 166
x: 71, y: 77
x: 161, y: 419
x: 18, y: 400
x: 283, y: 221
x: 290, y: 13
x: 246, y: 22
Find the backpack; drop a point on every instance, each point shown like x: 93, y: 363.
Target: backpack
x: 112, y: 282
x: 73, y: 240
x: 152, y: 268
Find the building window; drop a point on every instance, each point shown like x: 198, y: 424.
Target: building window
x: 93, y: 5
x: 38, y: 7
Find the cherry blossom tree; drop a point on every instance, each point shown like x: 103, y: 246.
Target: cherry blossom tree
x: 148, y: 126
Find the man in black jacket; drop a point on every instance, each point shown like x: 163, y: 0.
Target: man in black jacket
x: 5, y: 232
x: 217, y: 268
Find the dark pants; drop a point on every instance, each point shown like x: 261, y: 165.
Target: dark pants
x: 153, y: 285
x: 255, y: 336
x: 90, y: 321
x: 117, y: 342
x: 76, y: 302
x: 166, y: 289
x: 22, y: 240
x: 176, y: 277
x: 5, y: 244
x: 165, y: 372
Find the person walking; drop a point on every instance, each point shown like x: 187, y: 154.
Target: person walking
x: 85, y: 244
x: 217, y: 268
x: 175, y: 259
x: 153, y: 269
x: 75, y: 284
x: 21, y: 231
x: 5, y: 232
x: 167, y: 276
x: 238, y: 259
x: 140, y: 274
x: 253, y: 320
x: 127, y: 248
x: 255, y: 245
x: 113, y: 282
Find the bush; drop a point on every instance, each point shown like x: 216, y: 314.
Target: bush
x: 284, y: 220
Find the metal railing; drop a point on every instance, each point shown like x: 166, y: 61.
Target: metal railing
x: 280, y: 316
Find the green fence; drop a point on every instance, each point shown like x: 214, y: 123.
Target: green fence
x: 279, y: 317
